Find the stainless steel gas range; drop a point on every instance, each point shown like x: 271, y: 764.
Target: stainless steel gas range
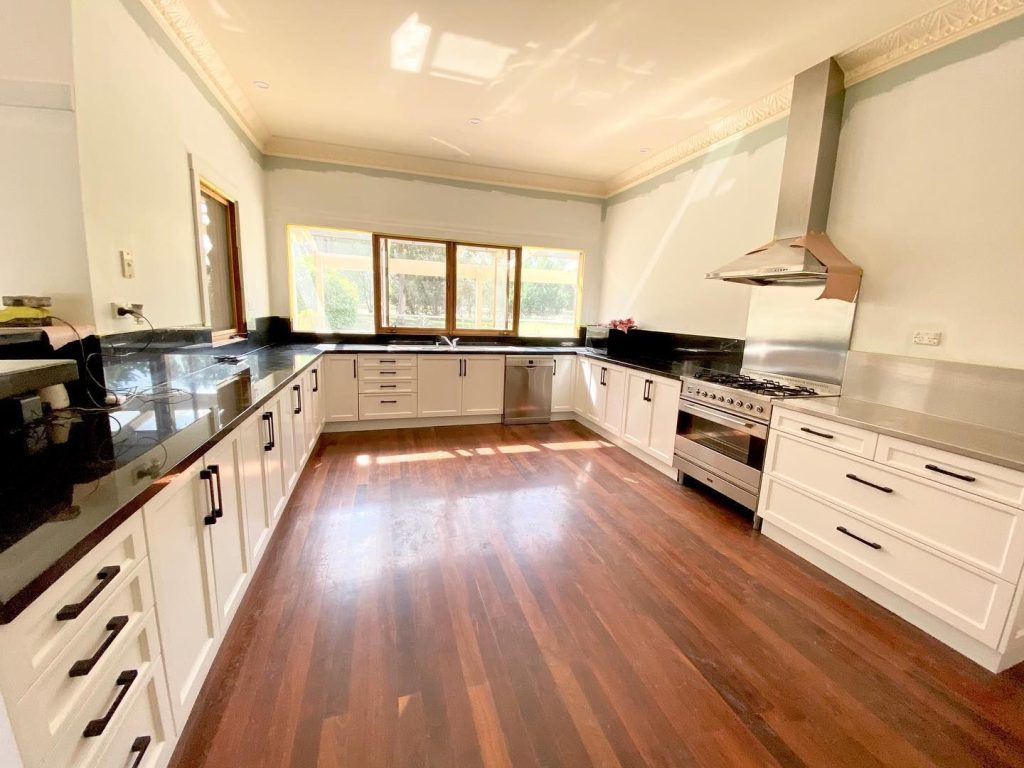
x: 722, y: 429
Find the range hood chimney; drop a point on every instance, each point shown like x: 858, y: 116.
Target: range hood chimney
x: 801, y: 252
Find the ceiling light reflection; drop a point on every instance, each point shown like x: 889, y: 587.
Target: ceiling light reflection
x: 409, y: 45
x: 470, y: 56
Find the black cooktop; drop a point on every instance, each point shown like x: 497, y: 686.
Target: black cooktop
x: 766, y: 387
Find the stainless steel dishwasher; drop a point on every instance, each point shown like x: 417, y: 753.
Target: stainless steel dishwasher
x: 528, y: 388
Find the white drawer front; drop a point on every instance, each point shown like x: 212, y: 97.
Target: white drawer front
x: 830, y: 433
x: 91, y: 654
x: 979, y: 532
x: 146, y: 734
x: 382, y: 374
x: 386, y: 387
x: 71, y: 747
x: 387, y: 361
x: 976, y: 604
x: 30, y: 643
x: 977, y: 477
x: 387, y: 406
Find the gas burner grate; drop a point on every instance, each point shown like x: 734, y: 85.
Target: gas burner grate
x: 766, y: 387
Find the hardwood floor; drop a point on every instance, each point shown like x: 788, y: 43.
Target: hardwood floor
x: 530, y: 596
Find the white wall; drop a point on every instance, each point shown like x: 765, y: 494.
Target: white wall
x: 317, y: 194
x: 42, y: 238
x: 139, y: 116
x: 929, y: 200
x: 663, y: 236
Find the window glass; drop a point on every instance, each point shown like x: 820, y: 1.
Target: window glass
x: 331, y: 280
x: 550, y: 292
x: 484, y: 287
x: 215, y: 218
x: 414, y: 283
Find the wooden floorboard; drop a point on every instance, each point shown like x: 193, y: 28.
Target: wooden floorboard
x: 507, y: 597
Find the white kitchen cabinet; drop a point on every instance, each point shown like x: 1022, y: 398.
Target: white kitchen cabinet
x: 615, y: 399
x: 274, y: 455
x: 145, y: 737
x: 341, y: 379
x: 439, y: 385
x: 652, y: 408
x: 483, y: 385
x: 602, y: 394
x: 296, y: 407
x: 228, y: 537
x: 252, y: 441
x: 181, y: 559
x: 285, y: 437
x: 311, y: 409
x: 563, y: 384
x: 460, y: 385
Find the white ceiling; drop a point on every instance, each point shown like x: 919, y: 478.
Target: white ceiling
x: 574, y: 88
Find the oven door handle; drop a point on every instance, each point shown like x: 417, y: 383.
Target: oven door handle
x: 750, y: 427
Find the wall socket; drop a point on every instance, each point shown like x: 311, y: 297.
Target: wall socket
x: 122, y: 310
x: 928, y: 338
x: 127, y: 264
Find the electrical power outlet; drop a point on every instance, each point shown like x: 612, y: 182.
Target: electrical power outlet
x: 116, y: 306
x: 127, y: 264
x: 928, y: 338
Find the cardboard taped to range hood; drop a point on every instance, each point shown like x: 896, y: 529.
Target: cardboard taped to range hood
x: 842, y: 281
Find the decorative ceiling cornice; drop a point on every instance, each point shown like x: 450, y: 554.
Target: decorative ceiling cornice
x: 934, y: 29
x: 927, y: 32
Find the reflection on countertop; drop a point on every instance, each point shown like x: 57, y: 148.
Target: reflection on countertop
x: 66, y: 484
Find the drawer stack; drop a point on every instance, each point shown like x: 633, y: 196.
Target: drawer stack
x: 387, y: 386
x: 941, y: 531
x: 81, y: 669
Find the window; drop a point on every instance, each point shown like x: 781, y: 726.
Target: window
x: 414, y: 284
x: 219, y: 262
x: 485, y: 278
x: 346, y: 281
x: 550, y: 288
x: 331, y: 280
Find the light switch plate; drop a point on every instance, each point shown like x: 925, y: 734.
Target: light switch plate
x: 127, y: 264
x: 928, y: 338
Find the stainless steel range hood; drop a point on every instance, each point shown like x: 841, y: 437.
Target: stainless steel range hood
x: 808, y: 169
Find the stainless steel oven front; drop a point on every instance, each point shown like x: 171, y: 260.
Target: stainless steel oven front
x: 721, y: 449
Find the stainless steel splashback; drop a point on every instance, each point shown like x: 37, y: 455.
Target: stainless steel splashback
x: 790, y: 332
x: 976, y: 394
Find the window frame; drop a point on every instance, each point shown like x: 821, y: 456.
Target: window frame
x: 203, y: 186
x: 581, y: 266
x: 453, y: 288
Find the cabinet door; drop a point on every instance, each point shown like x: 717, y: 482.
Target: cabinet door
x: 227, y: 536
x: 177, y: 523
x: 273, y: 466
x: 341, y: 378
x: 563, y: 384
x: 309, y: 411
x: 252, y: 438
x: 316, y: 401
x: 439, y: 385
x: 664, y: 416
x: 615, y: 399
x: 299, y: 411
x: 596, y: 392
x: 286, y: 423
x: 636, y: 426
x: 581, y: 391
x: 483, y: 385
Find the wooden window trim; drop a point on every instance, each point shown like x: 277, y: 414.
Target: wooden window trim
x: 234, y: 264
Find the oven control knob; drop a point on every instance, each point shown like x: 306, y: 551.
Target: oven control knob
x: 730, y: 401
x: 750, y: 406
x: 721, y: 398
x: 760, y: 409
x: 739, y: 403
x: 704, y: 393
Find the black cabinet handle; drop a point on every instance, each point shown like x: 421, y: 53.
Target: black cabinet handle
x: 74, y: 610
x: 810, y: 431
x: 124, y: 682
x: 387, y: 361
x: 83, y: 667
x: 297, y: 389
x: 269, y: 445
x: 941, y: 471
x: 882, y: 488
x: 554, y: 367
x: 389, y: 402
x: 273, y: 431
x: 207, y: 476
x: 389, y: 386
x: 648, y: 383
x: 389, y: 373
x: 872, y: 544
x: 139, y: 747
x: 219, y: 509
x: 603, y: 372
x: 354, y: 374
x: 316, y: 380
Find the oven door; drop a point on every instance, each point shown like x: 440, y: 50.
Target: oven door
x: 728, y: 445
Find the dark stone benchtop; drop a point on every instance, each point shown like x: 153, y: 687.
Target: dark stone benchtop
x: 63, y: 499
x: 672, y: 369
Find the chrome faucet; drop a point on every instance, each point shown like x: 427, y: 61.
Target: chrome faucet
x: 450, y: 342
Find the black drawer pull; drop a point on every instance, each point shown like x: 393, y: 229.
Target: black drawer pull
x: 388, y: 373
x: 316, y: 380
x: 389, y: 386
x: 872, y: 544
x: 219, y: 511
x: 124, y: 682
x: 389, y: 402
x: 941, y: 471
x: 139, y: 746
x: 297, y: 388
x: 388, y: 361
x: 74, y: 610
x: 207, y: 476
x: 269, y: 445
x: 882, y: 488
x: 83, y: 667
x: 810, y: 431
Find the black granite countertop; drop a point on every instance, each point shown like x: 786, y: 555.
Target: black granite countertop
x: 464, y: 348
x: 673, y: 369
x: 67, y: 484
